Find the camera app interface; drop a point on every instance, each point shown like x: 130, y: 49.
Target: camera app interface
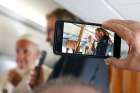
x: 87, y: 40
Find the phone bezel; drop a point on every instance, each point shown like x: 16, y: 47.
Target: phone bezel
x: 58, y: 36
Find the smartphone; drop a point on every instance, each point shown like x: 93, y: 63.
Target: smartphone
x: 86, y: 39
x: 40, y: 63
x: 42, y: 58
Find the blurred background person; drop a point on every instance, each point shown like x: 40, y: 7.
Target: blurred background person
x: 66, y: 85
x: 87, y: 69
x: 23, y: 78
x: 63, y: 66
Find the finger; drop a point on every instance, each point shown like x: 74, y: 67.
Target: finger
x: 120, y: 27
x: 118, y: 63
x: 133, y: 25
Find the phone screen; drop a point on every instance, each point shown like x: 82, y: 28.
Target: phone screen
x: 87, y: 39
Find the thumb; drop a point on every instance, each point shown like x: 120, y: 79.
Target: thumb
x: 118, y: 63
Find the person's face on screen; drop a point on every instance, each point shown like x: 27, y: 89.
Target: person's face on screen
x: 97, y: 35
x: 102, y: 33
x: 51, y: 29
x: 26, y: 54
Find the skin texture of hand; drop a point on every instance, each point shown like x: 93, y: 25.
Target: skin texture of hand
x: 129, y: 31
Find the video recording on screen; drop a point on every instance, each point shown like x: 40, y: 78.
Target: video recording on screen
x: 87, y: 40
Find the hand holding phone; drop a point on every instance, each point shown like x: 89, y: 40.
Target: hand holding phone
x: 37, y: 76
x: 129, y: 31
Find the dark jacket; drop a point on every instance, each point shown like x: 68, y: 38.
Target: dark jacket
x: 68, y: 66
x: 102, y: 46
x: 91, y: 70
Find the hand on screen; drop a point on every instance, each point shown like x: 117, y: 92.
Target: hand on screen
x: 129, y: 31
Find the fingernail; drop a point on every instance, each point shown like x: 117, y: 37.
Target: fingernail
x: 106, y: 61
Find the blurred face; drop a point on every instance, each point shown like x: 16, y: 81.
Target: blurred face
x: 26, y: 54
x: 51, y: 29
